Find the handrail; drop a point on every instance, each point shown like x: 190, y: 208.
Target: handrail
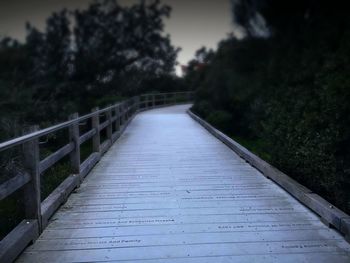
x: 25, y: 138
x: 34, y: 135
x: 37, y: 212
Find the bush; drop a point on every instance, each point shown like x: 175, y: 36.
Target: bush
x: 292, y: 94
x: 220, y: 119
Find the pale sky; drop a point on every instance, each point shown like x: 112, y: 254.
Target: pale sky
x: 193, y: 23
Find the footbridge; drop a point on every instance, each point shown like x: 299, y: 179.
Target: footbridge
x: 164, y: 186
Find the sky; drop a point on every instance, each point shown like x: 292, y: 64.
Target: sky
x: 193, y: 23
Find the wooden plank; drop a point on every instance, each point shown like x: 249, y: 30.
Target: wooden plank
x: 55, y: 157
x: 40, y: 133
x: 87, y: 136
x: 109, y: 130
x: 13, y: 184
x: 31, y: 191
x: 105, y: 146
x: 330, y: 214
x: 137, y: 104
x: 165, y: 229
x: 88, y: 206
x: 103, y: 125
x: 345, y: 228
x: 95, y: 122
x: 118, y: 119
x: 122, y: 113
x: 58, y: 197
x: 326, y: 210
x: 168, y: 191
x: 75, y: 139
x: 89, y: 163
x: 235, y: 214
x: 31, y: 151
x: 52, y: 129
x: 127, y: 112
x: 114, y: 118
x: 18, y: 239
x: 69, y: 224
x: 276, y: 252
x: 180, y: 238
x: 115, y: 136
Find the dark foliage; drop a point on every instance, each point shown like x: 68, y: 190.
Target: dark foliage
x: 290, y: 90
x: 83, y: 58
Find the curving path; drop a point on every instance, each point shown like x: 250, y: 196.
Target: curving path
x: 168, y: 191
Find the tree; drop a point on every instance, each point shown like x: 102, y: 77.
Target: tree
x: 288, y: 90
x: 112, y: 40
x: 110, y: 52
x: 50, y: 56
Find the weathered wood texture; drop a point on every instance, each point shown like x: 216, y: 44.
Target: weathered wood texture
x: 168, y: 191
x: 13, y: 184
x: 87, y: 136
x: 32, y: 193
x: 56, y: 157
x: 89, y: 163
x: 74, y: 138
x: 95, y: 120
x: 142, y: 100
x: 58, y: 197
x: 14, y: 243
x: 30, y: 181
x: 329, y: 214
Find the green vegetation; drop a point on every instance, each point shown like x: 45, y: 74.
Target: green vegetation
x: 83, y: 58
x: 284, y: 91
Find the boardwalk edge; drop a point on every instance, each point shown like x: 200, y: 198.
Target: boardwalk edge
x: 329, y: 214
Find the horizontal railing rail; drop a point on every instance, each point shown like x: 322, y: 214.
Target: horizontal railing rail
x: 37, y: 212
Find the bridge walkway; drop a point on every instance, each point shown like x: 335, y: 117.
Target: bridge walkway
x: 168, y: 191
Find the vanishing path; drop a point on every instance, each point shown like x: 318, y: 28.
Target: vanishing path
x: 168, y: 191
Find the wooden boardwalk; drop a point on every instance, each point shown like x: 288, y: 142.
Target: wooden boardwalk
x: 168, y: 191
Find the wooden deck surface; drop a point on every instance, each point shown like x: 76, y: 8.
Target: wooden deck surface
x: 168, y: 191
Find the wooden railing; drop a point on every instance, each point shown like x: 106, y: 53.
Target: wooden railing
x: 37, y: 212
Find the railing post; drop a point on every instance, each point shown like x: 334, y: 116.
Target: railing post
x: 127, y: 110
x: 32, y: 194
x: 121, y: 112
x: 137, y: 104
x: 75, y: 138
x: 117, y: 114
x: 134, y: 105
x: 145, y: 102
x: 95, y: 123
x: 153, y: 100
x: 109, y: 127
x: 140, y: 103
x: 125, y: 113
